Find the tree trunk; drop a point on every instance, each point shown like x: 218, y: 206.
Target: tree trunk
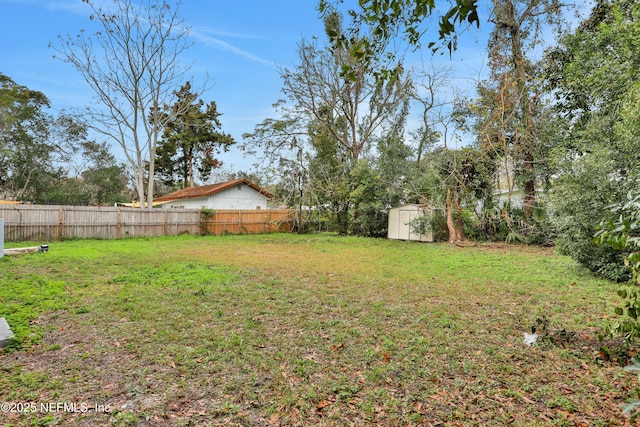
x: 456, y: 234
x: 527, y: 142
x: 529, y: 188
x: 150, y: 185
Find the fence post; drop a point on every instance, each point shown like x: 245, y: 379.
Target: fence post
x: 165, y: 224
x: 60, y: 223
x: 118, y: 224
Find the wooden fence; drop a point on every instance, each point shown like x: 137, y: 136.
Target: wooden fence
x: 52, y: 223
x: 249, y: 221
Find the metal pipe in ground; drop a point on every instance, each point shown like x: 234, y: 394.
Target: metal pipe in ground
x: 30, y: 249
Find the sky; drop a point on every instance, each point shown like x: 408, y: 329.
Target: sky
x: 238, y: 45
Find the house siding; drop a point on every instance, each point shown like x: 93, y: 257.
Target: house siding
x: 238, y: 197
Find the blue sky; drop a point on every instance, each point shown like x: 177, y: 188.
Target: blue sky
x: 238, y: 43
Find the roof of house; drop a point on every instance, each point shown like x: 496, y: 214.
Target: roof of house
x: 208, y: 190
x: 137, y: 204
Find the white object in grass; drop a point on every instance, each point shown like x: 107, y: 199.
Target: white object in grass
x: 530, y: 339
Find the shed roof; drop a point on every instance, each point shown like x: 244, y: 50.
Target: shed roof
x: 208, y: 190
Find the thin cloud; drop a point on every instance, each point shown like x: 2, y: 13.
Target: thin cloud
x: 205, y: 29
x: 224, y: 46
x: 200, y: 33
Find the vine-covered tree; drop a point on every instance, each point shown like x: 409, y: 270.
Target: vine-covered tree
x: 453, y: 182
x: 509, y: 99
x: 190, y: 141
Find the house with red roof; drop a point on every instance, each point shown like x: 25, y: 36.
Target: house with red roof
x: 236, y: 194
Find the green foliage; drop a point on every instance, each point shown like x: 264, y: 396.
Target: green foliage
x: 190, y: 140
x: 455, y: 181
x: 387, y: 18
x: 33, y: 143
x: 595, y: 76
x: 381, y: 184
x: 47, y: 159
x: 207, y: 213
x: 632, y: 408
x: 623, y: 234
x: 104, y: 179
x: 99, y: 181
x: 505, y: 223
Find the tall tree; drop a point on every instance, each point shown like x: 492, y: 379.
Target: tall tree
x: 190, y: 139
x: 435, y: 97
x: 339, y: 93
x: 383, y: 179
x: 283, y: 151
x: 509, y: 126
x: 351, y: 107
x: 131, y: 64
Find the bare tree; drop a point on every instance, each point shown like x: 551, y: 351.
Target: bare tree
x: 340, y: 90
x: 335, y: 107
x: 432, y: 92
x: 131, y: 64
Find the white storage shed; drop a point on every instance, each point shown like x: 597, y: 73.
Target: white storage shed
x: 400, y: 223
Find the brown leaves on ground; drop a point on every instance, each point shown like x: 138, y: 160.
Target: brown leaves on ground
x: 299, y: 339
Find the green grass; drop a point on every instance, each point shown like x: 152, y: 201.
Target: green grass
x: 306, y: 330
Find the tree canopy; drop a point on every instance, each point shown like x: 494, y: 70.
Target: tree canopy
x: 190, y: 140
x: 39, y: 153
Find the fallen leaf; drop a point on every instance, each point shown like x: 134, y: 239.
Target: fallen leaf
x: 323, y: 404
x: 337, y: 347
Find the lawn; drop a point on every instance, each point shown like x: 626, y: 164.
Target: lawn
x: 305, y: 330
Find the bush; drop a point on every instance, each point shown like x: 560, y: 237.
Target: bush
x: 623, y: 234
x: 603, y: 261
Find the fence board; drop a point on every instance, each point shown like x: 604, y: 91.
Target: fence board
x: 250, y: 221
x: 51, y: 223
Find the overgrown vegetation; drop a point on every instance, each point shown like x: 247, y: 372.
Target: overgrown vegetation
x: 623, y: 234
x: 308, y: 330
